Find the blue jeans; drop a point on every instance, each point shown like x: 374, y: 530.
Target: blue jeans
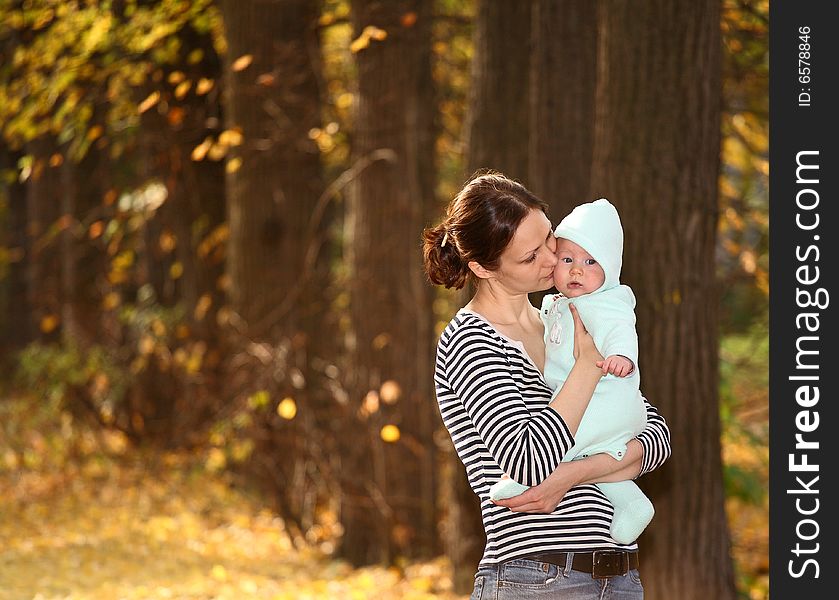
x: 523, y: 579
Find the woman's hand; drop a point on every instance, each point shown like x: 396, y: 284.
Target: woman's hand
x: 545, y: 497
x: 584, y: 349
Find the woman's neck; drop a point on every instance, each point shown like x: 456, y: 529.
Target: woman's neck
x: 501, y: 308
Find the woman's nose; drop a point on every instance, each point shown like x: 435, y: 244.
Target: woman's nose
x: 552, y: 259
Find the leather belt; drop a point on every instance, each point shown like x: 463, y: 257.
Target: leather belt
x: 600, y: 563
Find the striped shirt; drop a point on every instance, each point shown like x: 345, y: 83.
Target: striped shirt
x: 494, y: 403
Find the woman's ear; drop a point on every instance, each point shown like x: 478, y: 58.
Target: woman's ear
x: 479, y: 271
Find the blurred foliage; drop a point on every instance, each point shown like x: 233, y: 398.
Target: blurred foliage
x: 744, y: 400
x: 61, y: 60
x: 743, y: 249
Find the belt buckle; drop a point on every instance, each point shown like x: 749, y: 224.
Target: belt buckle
x: 609, y: 563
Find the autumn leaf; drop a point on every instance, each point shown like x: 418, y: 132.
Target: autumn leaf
x: 242, y: 63
x: 150, y: 101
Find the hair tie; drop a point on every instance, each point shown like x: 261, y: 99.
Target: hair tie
x: 445, y: 239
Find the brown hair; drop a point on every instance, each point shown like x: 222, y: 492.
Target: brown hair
x: 480, y: 222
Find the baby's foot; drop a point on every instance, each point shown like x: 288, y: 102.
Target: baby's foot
x: 506, y: 488
x: 631, y: 519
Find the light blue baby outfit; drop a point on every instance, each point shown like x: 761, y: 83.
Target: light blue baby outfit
x: 616, y: 413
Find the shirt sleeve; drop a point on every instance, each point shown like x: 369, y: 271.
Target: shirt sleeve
x: 655, y: 440
x: 527, y: 445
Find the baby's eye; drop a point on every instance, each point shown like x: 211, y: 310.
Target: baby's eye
x: 565, y: 259
x: 591, y: 261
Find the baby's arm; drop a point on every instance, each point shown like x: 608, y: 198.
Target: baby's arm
x: 617, y: 365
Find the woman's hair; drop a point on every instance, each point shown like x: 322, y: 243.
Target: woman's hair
x: 480, y: 222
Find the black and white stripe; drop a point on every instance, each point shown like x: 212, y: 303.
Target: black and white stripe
x: 494, y: 403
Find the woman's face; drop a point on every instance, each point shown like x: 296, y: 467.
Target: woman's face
x: 527, y: 263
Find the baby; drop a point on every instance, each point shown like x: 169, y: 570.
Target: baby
x: 589, y: 249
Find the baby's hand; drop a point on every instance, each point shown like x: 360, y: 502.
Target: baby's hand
x: 617, y: 365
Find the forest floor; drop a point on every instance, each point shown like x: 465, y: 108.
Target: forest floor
x: 126, y: 529
x: 121, y: 524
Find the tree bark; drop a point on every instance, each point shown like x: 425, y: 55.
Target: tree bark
x: 274, y: 185
x: 657, y: 145
x: 389, y: 504
x: 498, y: 120
x: 274, y: 101
x: 43, y: 261
x: 562, y: 81
x: 16, y: 328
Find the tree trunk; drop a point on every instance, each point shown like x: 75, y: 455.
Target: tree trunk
x: 274, y: 185
x: 16, y: 329
x: 43, y: 262
x: 274, y: 180
x: 498, y: 120
x: 562, y: 83
x: 657, y: 145
x: 82, y: 186
x: 389, y: 506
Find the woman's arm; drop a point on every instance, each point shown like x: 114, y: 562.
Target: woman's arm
x: 545, y: 497
x: 648, y: 451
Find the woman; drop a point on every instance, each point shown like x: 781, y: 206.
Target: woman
x: 553, y: 540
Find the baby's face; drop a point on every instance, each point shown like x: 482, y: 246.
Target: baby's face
x: 576, y: 273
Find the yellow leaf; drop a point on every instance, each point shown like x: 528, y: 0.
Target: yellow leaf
x: 266, y: 79
x: 360, y: 43
x: 150, y: 101
x: 231, y: 137
x: 217, y: 152
x: 233, y: 165
x: 146, y: 345
x: 182, y: 89
x: 375, y: 33
x: 390, y: 392
x: 260, y: 399
x: 345, y: 100
x: 94, y: 132
x: 95, y: 230
x: 202, y: 306
x: 204, y: 85
x: 110, y: 301
x: 176, y: 270
x: 216, y: 461
x: 200, y: 151
x: 371, y: 403
x: 158, y: 327
x: 49, y: 323
x: 167, y: 241
x: 390, y: 433
x: 287, y: 408
x: 176, y: 77
x: 380, y: 341
x: 242, y: 63
x: 56, y: 160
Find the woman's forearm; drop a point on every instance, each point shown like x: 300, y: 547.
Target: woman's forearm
x: 602, y: 468
x: 576, y: 392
